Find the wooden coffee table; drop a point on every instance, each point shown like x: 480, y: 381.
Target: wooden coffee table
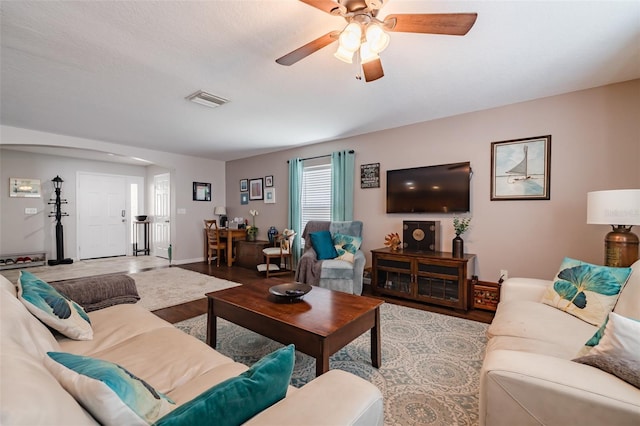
x: 319, y: 325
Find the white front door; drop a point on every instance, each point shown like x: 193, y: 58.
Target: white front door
x: 162, y: 215
x: 102, y: 215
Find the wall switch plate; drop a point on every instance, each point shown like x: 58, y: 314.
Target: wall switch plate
x: 30, y: 210
x: 182, y: 211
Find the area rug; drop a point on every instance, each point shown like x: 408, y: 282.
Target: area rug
x: 430, y: 363
x: 160, y: 288
x: 89, y: 267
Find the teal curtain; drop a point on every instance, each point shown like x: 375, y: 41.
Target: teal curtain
x: 342, y: 171
x: 295, y: 198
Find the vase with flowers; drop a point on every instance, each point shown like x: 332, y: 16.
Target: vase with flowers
x: 460, y: 226
x: 252, y: 231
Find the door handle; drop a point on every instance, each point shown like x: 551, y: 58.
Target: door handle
x: 124, y: 214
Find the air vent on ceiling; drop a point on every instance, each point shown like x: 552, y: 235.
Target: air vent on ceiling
x: 206, y: 99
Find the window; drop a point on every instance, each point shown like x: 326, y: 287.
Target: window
x: 316, y: 193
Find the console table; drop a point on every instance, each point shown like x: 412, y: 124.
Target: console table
x: 433, y: 277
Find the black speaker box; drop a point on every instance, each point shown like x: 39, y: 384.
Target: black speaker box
x: 421, y: 235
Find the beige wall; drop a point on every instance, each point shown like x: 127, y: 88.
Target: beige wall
x: 595, y: 145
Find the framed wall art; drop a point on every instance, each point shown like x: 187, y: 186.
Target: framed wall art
x: 255, y: 189
x: 25, y: 188
x: 244, y: 185
x: 370, y: 175
x: 244, y: 198
x: 521, y: 169
x: 268, y: 181
x: 201, y: 191
x: 269, y: 195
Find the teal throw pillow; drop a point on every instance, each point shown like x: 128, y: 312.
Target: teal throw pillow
x: 109, y: 392
x: 347, y: 246
x: 586, y: 291
x: 53, y: 308
x: 238, y: 399
x: 322, y: 243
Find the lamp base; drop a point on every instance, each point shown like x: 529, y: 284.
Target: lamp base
x: 620, y: 247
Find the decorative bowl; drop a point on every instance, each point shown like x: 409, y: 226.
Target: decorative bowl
x: 290, y: 290
x: 141, y: 218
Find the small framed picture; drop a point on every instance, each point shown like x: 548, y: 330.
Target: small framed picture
x: 26, y: 188
x: 521, y: 168
x: 201, y: 191
x: 370, y: 175
x: 244, y: 185
x: 269, y: 195
x: 268, y: 181
x: 255, y: 189
x: 244, y: 198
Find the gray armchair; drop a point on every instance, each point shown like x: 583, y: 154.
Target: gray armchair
x: 333, y: 274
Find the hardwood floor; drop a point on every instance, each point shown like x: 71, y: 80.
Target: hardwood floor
x: 251, y: 277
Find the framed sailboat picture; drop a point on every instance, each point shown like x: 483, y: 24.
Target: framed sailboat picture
x: 520, y: 169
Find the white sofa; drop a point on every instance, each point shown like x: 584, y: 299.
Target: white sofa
x: 528, y: 377
x: 171, y: 361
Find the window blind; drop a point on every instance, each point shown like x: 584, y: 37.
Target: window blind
x: 316, y: 193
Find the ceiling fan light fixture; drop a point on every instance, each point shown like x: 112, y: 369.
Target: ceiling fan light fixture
x: 367, y: 54
x: 377, y: 38
x: 344, y: 55
x: 351, y: 37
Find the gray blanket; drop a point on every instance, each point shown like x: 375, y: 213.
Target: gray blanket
x: 309, y: 268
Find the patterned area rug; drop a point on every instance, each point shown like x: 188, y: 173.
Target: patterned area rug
x: 165, y: 287
x: 430, y: 363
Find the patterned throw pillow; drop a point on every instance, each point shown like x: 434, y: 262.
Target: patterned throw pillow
x: 624, y: 369
x: 109, y: 392
x: 586, y: 291
x: 346, y: 246
x: 621, y: 338
x: 53, y: 308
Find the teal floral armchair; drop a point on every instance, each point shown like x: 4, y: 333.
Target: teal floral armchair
x: 344, y: 271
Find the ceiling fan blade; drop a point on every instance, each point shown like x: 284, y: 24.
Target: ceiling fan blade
x: 372, y: 70
x: 309, y: 48
x: 328, y: 6
x: 431, y: 23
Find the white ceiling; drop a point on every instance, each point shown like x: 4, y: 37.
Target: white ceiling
x: 119, y: 71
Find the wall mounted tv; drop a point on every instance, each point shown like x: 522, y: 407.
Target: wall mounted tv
x: 443, y: 188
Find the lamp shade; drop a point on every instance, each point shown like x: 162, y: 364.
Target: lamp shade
x: 220, y: 210
x: 615, y: 207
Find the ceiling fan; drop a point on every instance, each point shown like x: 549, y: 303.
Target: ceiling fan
x: 365, y: 36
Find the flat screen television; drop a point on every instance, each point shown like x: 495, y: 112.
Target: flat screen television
x: 443, y: 188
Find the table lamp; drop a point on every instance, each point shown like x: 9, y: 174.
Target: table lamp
x: 222, y: 212
x: 620, y: 209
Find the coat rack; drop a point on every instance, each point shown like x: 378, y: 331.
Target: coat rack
x: 58, y: 213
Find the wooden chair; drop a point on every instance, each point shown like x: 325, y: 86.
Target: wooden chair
x: 213, y: 241
x: 283, y: 251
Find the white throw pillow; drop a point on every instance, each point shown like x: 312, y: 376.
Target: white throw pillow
x: 53, y: 308
x: 108, y: 391
x: 621, y: 338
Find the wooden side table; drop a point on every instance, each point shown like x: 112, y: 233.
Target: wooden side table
x: 249, y: 253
